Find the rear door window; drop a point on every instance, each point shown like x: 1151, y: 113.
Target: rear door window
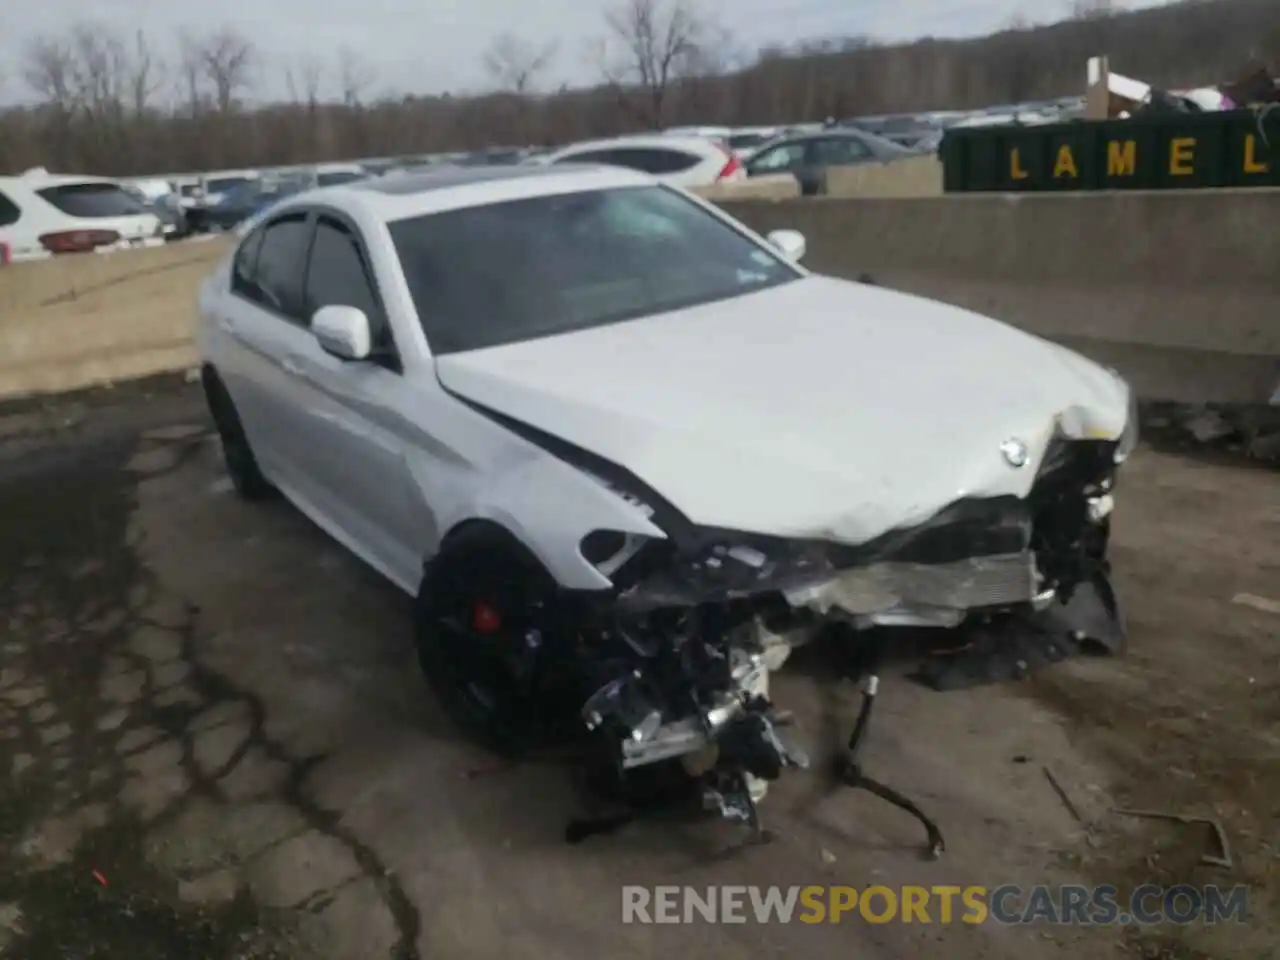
x: 655, y: 160
x: 9, y: 212
x: 244, y: 269
x: 780, y: 159
x: 839, y: 151
x: 91, y: 200
x: 277, y: 277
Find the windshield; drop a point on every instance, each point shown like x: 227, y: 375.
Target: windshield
x: 223, y: 184
x: 740, y: 141
x: 506, y: 272
x: 92, y: 200
x: 334, y: 177
x: 243, y: 195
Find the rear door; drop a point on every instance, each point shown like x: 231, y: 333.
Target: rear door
x: 838, y: 152
x: 97, y: 205
x: 262, y: 321
x: 786, y: 157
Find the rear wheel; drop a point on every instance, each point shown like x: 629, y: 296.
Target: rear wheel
x: 241, y: 464
x: 481, y: 612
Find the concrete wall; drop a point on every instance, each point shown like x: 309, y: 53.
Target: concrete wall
x: 910, y: 177
x: 1180, y: 291
x: 76, y: 321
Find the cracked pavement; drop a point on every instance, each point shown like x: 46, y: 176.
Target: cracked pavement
x: 214, y: 743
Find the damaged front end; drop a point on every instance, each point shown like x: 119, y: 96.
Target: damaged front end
x: 707, y: 615
x: 692, y: 692
x: 1042, y: 558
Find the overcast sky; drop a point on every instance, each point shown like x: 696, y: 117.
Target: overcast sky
x: 426, y: 46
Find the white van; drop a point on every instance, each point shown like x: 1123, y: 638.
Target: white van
x: 42, y: 214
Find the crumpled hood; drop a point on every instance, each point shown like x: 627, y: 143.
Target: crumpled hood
x: 819, y: 408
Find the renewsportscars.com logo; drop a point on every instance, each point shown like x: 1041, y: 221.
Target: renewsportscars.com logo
x: 1007, y: 904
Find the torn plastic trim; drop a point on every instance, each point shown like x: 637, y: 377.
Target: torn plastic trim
x: 972, y: 554
x: 717, y: 565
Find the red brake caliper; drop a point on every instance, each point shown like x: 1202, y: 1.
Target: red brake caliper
x: 485, y: 618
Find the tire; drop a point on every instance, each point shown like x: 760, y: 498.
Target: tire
x: 237, y: 454
x: 474, y: 671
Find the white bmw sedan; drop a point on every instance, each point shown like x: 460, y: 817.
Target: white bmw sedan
x: 625, y: 452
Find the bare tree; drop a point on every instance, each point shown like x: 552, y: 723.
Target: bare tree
x: 190, y: 75
x: 1013, y: 68
x: 516, y: 64
x: 49, y: 70
x: 658, y: 39
x: 355, y: 76
x: 145, y: 74
x: 100, y: 69
x: 228, y: 59
x: 1093, y: 9
x: 304, y: 80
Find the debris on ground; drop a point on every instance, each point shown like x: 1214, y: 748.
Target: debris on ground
x: 1265, y: 604
x: 1222, y: 858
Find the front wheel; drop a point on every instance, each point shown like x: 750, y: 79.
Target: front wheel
x: 479, y: 626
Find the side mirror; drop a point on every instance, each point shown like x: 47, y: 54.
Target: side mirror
x: 790, y: 243
x: 343, y: 332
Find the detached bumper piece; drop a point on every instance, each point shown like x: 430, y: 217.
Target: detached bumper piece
x: 1015, y: 646
x: 1071, y: 505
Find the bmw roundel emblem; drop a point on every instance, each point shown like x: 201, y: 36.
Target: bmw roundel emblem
x: 1014, y: 452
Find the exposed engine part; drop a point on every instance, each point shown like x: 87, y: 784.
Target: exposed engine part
x: 701, y: 625
x: 701, y: 701
x: 850, y: 772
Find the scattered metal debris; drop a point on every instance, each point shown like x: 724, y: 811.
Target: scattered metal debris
x: 1062, y: 795
x: 1220, y: 859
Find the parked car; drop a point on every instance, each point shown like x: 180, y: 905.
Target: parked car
x: 602, y: 464
x: 42, y: 214
x: 706, y: 133
x: 158, y: 197
x: 208, y: 191
x: 245, y: 202
x: 744, y: 141
x: 676, y: 160
x: 332, y: 174
x: 808, y: 156
x: 494, y: 156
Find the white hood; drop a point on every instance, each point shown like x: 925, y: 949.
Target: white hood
x: 818, y: 408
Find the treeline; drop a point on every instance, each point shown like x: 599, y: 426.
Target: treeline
x: 118, y: 105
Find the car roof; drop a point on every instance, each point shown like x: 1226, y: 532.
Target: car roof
x: 34, y: 180
x: 403, y: 196
x: 660, y: 141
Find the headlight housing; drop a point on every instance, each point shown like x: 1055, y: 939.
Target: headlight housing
x: 1128, y: 441
x: 728, y: 565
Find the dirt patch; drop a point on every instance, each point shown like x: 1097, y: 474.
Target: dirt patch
x: 1189, y: 717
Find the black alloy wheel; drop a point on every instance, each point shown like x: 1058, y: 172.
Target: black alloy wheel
x: 480, y: 637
